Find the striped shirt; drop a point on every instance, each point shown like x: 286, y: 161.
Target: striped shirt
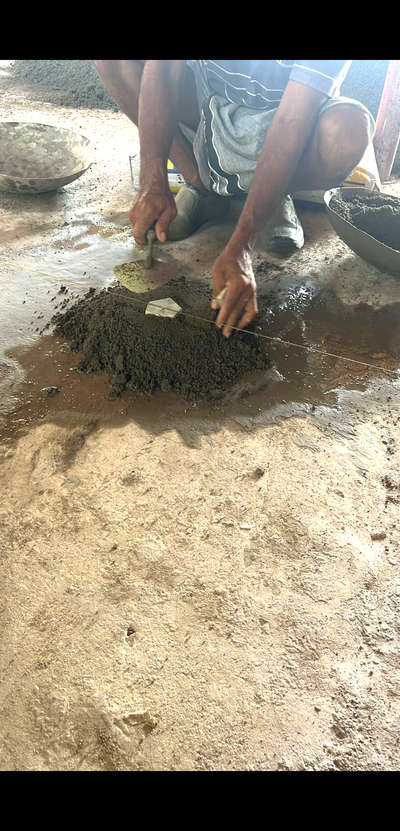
x: 261, y: 84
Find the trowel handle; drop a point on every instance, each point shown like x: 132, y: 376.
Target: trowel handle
x: 148, y: 260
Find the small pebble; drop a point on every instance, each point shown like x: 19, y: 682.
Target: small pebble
x: 48, y: 391
x: 378, y: 535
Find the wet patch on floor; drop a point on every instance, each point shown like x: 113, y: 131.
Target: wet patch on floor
x: 294, y: 381
x: 280, y: 378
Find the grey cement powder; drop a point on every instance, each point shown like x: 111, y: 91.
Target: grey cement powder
x: 67, y: 83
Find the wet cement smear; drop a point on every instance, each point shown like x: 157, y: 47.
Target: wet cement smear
x: 299, y: 311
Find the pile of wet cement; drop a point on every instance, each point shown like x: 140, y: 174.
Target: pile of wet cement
x: 144, y: 353
x: 66, y: 83
x: 375, y: 213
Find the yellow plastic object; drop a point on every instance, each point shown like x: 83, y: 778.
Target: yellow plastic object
x: 366, y: 173
x: 175, y: 178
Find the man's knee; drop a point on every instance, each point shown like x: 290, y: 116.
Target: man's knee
x: 343, y: 134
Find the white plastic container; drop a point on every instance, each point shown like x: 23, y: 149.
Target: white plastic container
x: 175, y: 178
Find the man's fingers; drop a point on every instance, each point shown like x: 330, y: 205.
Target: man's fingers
x: 162, y: 225
x: 140, y: 231
x: 151, y: 208
x: 233, y: 318
x: 161, y: 231
x: 218, y: 285
x: 229, y: 304
x: 237, y: 324
x: 233, y: 304
x: 237, y: 318
x: 250, y: 313
x: 141, y: 221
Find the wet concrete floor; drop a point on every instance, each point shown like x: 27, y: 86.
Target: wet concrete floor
x: 301, y: 309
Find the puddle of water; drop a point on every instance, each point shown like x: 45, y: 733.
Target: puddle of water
x: 49, y: 363
x: 85, y: 261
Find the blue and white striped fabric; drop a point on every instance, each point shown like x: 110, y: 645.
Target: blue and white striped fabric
x: 260, y: 84
x: 237, y: 101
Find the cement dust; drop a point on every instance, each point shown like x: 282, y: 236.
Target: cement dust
x: 167, y: 609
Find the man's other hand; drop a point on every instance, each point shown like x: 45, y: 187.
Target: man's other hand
x: 239, y: 306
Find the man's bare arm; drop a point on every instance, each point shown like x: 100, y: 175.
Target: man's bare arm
x: 158, y: 118
x: 158, y: 112
x: 287, y: 138
x: 289, y: 133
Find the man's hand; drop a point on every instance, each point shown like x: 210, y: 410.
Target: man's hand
x: 239, y: 307
x: 152, y: 206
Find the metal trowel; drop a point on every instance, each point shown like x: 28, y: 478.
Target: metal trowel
x: 135, y: 277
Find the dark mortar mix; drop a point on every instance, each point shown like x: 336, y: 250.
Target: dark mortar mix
x: 66, y: 83
x: 144, y: 353
x: 377, y: 214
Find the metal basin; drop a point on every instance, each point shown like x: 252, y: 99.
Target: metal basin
x: 35, y: 158
x: 370, y: 249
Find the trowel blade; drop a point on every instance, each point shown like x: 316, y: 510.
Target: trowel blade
x: 137, y: 278
x: 136, y: 273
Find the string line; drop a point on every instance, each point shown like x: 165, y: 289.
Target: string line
x: 275, y: 339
